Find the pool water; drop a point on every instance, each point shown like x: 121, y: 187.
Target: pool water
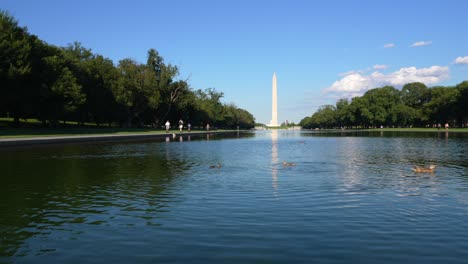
x: 348, y: 198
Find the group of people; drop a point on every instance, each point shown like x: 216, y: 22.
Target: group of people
x: 440, y: 126
x: 181, y: 126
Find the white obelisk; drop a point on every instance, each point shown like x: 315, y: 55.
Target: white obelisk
x: 274, y: 103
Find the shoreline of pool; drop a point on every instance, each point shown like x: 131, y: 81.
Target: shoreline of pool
x: 100, y: 138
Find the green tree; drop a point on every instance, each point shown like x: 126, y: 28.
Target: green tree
x: 169, y: 90
x: 179, y: 100
x: 360, y: 114
x: 234, y: 117
x: 15, y: 67
x: 246, y: 119
x: 305, y: 122
x: 442, y: 105
x: 405, y: 115
x: 324, y: 117
x: 382, y: 103
x: 97, y: 75
x: 230, y: 115
x: 210, y: 106
x: 415, y: 104
x: 462, y: 103
x: 136, y: 90
x: 415, y: 94
x: 343, y: 115
x: 68, y: 91
x: 60, y: 92
x: 327, y: 117
x: 53, y: 83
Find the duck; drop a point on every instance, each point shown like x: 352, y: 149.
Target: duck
x: 288, y: 164
x: 217, y: 166
x: 431, y: 168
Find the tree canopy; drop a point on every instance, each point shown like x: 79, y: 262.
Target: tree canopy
x: 54, y: 84
x: 413, y: 105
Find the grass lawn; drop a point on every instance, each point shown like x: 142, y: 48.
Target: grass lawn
x: 43, y: 132
x: 415, y: 129
x: 33, y: 128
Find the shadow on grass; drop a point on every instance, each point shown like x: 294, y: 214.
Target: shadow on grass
x: 33, y: 128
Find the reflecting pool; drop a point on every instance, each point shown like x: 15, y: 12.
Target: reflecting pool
x: 348, y: 198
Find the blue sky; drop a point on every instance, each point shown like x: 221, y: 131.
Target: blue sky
x: 320, y: 50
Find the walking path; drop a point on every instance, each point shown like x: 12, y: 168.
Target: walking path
x: 31, y: 141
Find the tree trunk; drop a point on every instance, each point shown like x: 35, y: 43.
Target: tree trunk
x: 16, y: 121
x: 167, y: 112
x: 129, y: 120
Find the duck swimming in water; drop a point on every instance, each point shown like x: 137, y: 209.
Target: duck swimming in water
x: 217, y: 166
x: 431, y: 168
x: 288, y: 164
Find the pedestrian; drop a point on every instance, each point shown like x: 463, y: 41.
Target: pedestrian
x: 446, y: 126
x: 168, y: 125
x: 181, y: 125
x: 207, y: 127
x: 189, y: 126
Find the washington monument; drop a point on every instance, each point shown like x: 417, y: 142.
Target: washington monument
x: 274, y: 104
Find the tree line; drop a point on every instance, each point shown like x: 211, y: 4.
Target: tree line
x: 58, y: 84
x: 415, y: 105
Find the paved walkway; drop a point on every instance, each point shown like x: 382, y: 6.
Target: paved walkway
x: 31, y: 141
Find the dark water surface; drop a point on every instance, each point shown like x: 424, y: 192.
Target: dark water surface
x: 350, y: 199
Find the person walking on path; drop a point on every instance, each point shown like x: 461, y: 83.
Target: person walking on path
x: 207, y: 127
x: 189, y: 126
x: 181, y: 125
x: 168, y: 125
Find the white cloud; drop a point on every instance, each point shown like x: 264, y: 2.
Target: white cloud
x: 389, y: 46
x: 350, y: 72
x: 356, y: 84
x: 421, y: 44
x: 380, y: 67
x: 461, y: 60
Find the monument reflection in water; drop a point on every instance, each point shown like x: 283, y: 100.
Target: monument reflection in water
x: 350, y: 198
x: 274, y: 158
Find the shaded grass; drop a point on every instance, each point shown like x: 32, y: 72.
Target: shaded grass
x: 31, y: 122
x: 49, y: 132
x: 33, y: 128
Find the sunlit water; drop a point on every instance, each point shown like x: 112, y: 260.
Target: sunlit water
x: 348, y: 199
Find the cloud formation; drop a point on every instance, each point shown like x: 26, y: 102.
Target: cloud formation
x: 461, y: 60
x: 421, y: 44
x: 389, y: 46
x: 356, y: 84
x: 350, y: 72
x: 380, y: 67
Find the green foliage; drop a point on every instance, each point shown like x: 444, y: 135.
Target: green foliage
x: 237, y: 117
x: 52, y: 84
x: 68, y: 90
x: 414, y: 105
x: 442, y: 104
x: 136, y: 90
x: 15, y: 67
x: 462, y: 103
x: 415, y: 94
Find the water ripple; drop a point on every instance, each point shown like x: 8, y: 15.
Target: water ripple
x: 347, y: 199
